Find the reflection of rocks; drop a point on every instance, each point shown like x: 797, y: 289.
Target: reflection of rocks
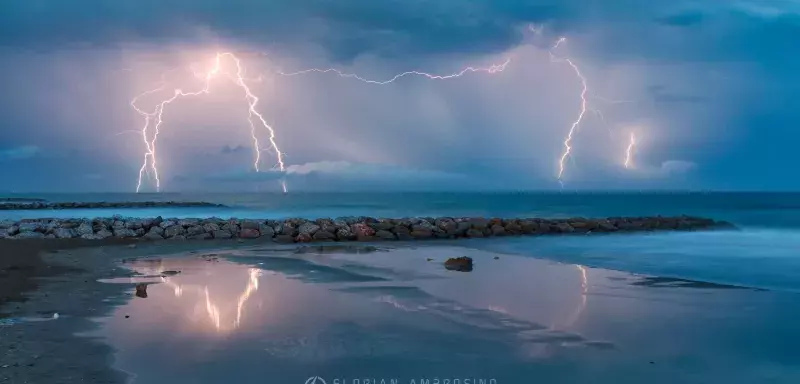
x: 340, y: 229
x: 141, y: 290
x: 461, y: 264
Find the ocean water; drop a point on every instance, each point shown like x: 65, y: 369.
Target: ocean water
x: 764, y: 254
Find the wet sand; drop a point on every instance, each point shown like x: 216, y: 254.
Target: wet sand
x: 39, y: 278
x: 368, y: 309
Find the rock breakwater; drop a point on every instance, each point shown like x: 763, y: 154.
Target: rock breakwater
x: 339, y: 229
x: 90, y: 205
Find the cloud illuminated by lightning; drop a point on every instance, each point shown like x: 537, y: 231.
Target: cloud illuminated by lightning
x: 155, y: 118
x: 629, y: 151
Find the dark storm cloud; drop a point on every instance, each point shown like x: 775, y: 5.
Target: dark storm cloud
x: 683, y: 19
x: 400, y: 28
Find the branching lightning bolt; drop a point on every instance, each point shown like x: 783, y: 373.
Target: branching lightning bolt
x: 155, y: 118
x: 629, y: 151
x: 494, y: 68
x: 584, y: 89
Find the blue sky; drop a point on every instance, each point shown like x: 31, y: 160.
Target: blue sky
x: 708, y: 88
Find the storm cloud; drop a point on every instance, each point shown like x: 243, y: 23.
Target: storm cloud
x: 707, y: 82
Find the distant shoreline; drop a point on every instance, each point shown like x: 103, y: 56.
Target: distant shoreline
x: 341, y: 229
x: 12, y: 204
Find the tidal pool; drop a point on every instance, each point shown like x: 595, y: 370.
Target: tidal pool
x: 397, y: 315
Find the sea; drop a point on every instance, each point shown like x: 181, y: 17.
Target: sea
x: 763, y: 253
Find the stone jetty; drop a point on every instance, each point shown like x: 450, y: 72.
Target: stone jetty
x: 340, y: 229
x: 10, y: 205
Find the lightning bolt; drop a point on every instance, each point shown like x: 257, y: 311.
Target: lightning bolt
x: 584, y: 90
x: 154, y: 119
x: 629, y: 151
x: 494, y: 68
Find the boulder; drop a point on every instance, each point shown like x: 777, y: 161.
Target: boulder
x: 29, y: 235
x: 249, y: 233
x: 194, y: 230
x: 266, y: 231
x: 200, y: 236
x: 460, y: 264
x: 474, y: 232
x: 153, y: 235
x: 103, y: 234
x: 222, y: 234
x: 64, y: 233
x: 210, y: 227
x: 498, y: 230
x: 324, y: 236
x: 385, y: 235
x: 421, y: 233
x: 345, y: 234
x: 362, y: 230
x: 174, y: 230
x: 308, y: 229
x: 123, y: 232
x: 303, y: 238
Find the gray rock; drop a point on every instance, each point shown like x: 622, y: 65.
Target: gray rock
x: 103, y: 234
x: 124, y: 232
x: 29, y: 235
x: 222, y: 234
x: 30, y: 227
x: 266, y: 231
x: 12, y: 230
x: 188, y: 222
x: 64, y: 233
x: 175, y: 230
x: 194, y: 231
x: 157, y: 231
x: 250, y: 224
x: 249, y: 233
x: 385, y: 235
x: 178, y: 238
x: 50, y: 236
x: 85, y: 229
x: 422, y: 234
x: 479, y: 223
x: 210, y: 227
x: 308, y: 229
x: 473, y: 232
x: 324, y: 236
x: 498, y: 230
x: 200, y: 236
x: 152, y: 235
x: 91, y: 236
x: 345, y: 234
x: 166, y: 224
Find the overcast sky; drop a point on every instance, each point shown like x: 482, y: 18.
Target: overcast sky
x: 707, y: 88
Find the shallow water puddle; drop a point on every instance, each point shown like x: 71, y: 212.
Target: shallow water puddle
x: 343, y: 316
